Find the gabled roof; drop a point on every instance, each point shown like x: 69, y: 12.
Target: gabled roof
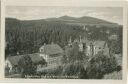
x: 99, y: 43
x: 34, y: 57
x: 96, y: 43
x: 51, y: 49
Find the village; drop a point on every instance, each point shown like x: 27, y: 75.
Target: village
x: 51, y: 56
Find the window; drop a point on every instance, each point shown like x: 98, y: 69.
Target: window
x: 42, y: 50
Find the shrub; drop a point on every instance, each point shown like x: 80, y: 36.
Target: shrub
x: 100, y: 65
x: 113, y: 75
x: 51, y: 72
x: 26, y: 66
x: 74, y: 69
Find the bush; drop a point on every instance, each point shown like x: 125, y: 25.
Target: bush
x: 51, y: 72
x: 75, y: 69
x: 113, y: 75
x: 100, y: 65
x: 26, y: 66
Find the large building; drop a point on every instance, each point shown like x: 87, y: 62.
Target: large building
x: 52, y: 53
x: 91, y: 48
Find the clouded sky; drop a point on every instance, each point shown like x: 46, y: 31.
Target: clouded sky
x: 113, y: 14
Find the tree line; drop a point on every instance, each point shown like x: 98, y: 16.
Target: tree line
x: 25, y: 37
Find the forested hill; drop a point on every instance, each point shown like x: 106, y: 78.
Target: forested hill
x: 28, y: 35
x: 84, y: 20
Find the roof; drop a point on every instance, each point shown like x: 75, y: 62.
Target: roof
x: 15, y: 59
x: 113, y: 37
x: 51, y: 49
x: 99, y: 43
x: 96, y: 43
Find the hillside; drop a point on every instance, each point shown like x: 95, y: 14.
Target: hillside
x: 85, y: 20
x: 26, y: 36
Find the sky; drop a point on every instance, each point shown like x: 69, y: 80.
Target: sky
x: 112, y: 14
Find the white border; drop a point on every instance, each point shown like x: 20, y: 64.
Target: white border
x: 64, y: 3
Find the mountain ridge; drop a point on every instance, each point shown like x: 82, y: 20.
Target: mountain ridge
x: 84, y: 20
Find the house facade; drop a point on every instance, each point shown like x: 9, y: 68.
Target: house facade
x: 91, y: 48
x: 52, y: 53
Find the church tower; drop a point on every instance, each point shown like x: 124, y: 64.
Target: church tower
x: 70, y: 41
x: 80, y: 44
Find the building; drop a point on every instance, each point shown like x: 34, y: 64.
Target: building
x: 113, y: 37
x: 52, y: 53
x: 11, y: 63
x: 91, y: 48
x: 101, y: 46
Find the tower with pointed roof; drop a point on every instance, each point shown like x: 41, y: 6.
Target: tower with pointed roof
x: 70, y: 41
x: 80, y: 43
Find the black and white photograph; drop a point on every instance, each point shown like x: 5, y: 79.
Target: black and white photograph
x: 63, y: 42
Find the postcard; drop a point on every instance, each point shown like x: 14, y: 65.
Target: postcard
x: 74, y: 41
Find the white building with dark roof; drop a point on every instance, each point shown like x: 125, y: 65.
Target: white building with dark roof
x: 52, y: 53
